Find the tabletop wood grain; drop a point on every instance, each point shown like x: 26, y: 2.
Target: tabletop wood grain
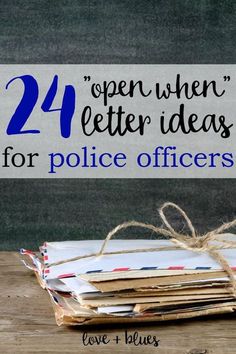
x: 27, y: 324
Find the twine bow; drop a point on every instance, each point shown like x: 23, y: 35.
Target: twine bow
x: 191, y: 242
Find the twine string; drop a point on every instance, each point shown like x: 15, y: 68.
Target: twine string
x: 191, y: 242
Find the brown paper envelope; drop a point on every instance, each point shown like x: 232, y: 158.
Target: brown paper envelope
x: 171, y: 292
x: 128, y: 301
x: 158, y: 292
x: 133, y: 274
x: 197, y: 285
x: 115, y: 285
x: 166, y: 305
x: 186, y: 286
x: 71, y: 321
x: 194, y: 308
x: 40, y: 280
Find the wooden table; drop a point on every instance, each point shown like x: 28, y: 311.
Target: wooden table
x: 27, y: 324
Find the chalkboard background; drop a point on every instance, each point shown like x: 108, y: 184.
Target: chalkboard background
x: 143, y: 32
x: 117, y: 31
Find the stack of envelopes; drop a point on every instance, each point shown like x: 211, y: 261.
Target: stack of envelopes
x: 131, y: 287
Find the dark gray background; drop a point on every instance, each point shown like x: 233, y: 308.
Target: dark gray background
x: 63, y: 31
x: 117, y: 31
x: 34, y: 211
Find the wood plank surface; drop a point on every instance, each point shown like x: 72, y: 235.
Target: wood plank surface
x: 27, y: 324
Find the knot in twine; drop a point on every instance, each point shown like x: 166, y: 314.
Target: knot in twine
x: 190, y: 242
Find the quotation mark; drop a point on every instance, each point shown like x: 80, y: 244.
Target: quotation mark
x: 87, y: 78
x: 226, y: 78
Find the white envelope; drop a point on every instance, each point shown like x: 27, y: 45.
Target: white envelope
x: 58, y: 251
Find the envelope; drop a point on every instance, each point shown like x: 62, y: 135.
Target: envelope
x: 171, y: 259
x: 130, y: 283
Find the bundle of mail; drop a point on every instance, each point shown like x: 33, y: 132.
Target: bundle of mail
x: 87, y: 287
